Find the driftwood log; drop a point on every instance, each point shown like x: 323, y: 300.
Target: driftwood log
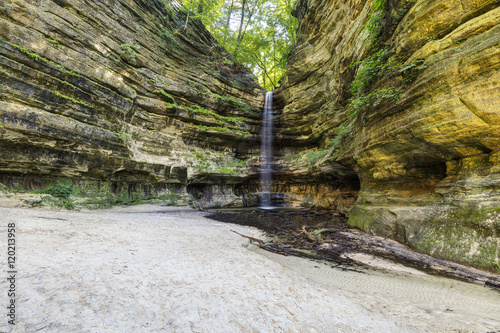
x: 260, y: 243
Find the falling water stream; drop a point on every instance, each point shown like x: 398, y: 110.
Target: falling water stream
x: 266, y: 152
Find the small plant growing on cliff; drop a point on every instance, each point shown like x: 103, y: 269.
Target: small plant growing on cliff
x: 231, y: 100
x: 213, y: 164
x: 412, y: 70
x: 124, y: 135
x: 312, y: 157
x: 171, y: 105
x: 228, y: 62
x: 372, y: 68
x: 169, y: 97
x: 317, y: 157
x: 168, y: 37
x: 219, y: 129
x: 128, y: 54
x: 58, y: 191
x: 61, y: 192
x: 220, y: 119
x: 376, y: 19
x: 381, y: 65
x: 342, y: 134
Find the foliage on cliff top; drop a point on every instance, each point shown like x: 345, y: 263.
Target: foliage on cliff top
x: 258, y: 33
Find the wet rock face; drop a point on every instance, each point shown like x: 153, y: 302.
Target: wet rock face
x: 428, y: 164
x: 117, y: 91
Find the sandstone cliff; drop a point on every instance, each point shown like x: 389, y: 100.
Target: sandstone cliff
x: 400, y: 100
x: 390, y: 113
x: 116, y: 92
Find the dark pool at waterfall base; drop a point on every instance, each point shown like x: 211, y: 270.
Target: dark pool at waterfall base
x: 341, y: 245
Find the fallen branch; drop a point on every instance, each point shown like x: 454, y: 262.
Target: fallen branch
x: 315, y: 236
x: 260, y: 243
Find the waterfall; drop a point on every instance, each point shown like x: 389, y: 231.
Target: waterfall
x: 266, y: 151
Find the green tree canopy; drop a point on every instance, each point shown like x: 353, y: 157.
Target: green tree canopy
x: 259, y: 33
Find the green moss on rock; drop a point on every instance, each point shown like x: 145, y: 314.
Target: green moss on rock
x: 76, y: 101
x: 467, y: 235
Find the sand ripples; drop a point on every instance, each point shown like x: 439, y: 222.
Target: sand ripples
x: 453, y: 304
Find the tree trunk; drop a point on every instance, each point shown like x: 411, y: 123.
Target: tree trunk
x: 228, y: 22
x: 187, y: 17
x: 241, y: 21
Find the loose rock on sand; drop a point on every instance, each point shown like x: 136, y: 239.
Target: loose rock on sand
x: 158, y: 269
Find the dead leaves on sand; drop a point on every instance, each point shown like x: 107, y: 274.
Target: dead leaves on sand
x: 314, y: 236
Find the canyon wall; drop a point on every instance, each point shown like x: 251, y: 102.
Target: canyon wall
x: 403, y: 97
x: 119, y: 93
x: 389, y: 113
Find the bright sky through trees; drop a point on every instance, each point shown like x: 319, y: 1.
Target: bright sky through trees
x: 259, y: 33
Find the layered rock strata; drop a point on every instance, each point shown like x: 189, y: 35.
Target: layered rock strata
x: 119, y: 92
x: 391, y: 112
x: 405, y: 95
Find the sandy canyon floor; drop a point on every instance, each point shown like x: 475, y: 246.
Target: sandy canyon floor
x: 165, y: 269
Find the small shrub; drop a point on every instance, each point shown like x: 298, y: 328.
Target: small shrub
x: 171, y: 105
x: 68, y: 203
x: 380, y: 95
x: 313, y: 157
x: 58, y: 191
x: 371, y: 68
x: 380, y: 65
x: 228, y: 62
x: 220, y: 119
x: 238, y: 163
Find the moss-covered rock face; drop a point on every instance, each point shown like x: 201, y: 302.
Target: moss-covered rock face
x: 405, y: 94
x: 118, y: 92
x: 467, y: 235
